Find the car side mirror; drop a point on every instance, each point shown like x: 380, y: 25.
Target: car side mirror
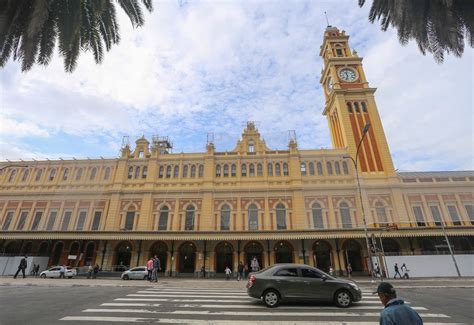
x: 324, y: 278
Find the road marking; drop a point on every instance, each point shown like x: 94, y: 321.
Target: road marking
x: 195, y: 293
x: 181, y: 300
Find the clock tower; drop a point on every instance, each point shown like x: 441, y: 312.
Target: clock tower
x: 350, y: 105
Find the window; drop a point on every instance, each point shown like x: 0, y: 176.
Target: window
x: 344, y: 168
x: 286, y: 272
x: 251, y: 170
x: 310, y: 273
x: 317, y: 216
x: 65, y: 174
x: 364, y: 107
x: 12, y: 176
x: 281, y: 216
x: 185, y: 171
x: 329, y: 168
x: 51, y: 220
x: 277, y: 169
x: 168, y: 172
x: 303, y: 169
x: 251, y: 147
x: 470, y: 212
x: 129, y: 220
x: 189, y: 221
x: 349, y: 107
x: 66, y: 220
x: 8, y: 220
x: 22, y: 221
x: 285, y: 169
x: 339, y: 52
x: 36, y: 220
x: 52, y: 174
x: 345, y: 215
x: 311, y: 168
x: 436, y: 215
x: 253, y: 217
x: 201, y: 171
x: 39, y: 173
x: 160, y: 173
x: 320, y: 168
x: 226, y: 170
x: 130, y: 172
x: 270, y: 169
x: 453, y: 213
x: 96, y: 220
x: 420, y: 219
x: 381, y: 213
x: 356, y: 107
x: 140, y: 154
x: 78, y: 174
x: 144, y: 172
x: 26, y: 173
x: 137, y: 172
x: 193, y: 171
x: 93, y: 174
x: 218, y: 171
x: 81, y: 220
x: 337, y: 168
x: 259, y: 170
x: 176, y: 172
x: 225, y: 217
x: 107, y: 173
x: 233, y: 170
x: 163, y: 220
x: 243, y: 170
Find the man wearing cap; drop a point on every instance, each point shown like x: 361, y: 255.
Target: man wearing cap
x: 396, y: 312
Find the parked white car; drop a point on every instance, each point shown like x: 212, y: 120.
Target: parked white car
x: 136, y: 273
x: 54, y: 272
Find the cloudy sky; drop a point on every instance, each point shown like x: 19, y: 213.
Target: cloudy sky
x: 209, y: 66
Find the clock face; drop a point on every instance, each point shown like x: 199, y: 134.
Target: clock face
x: 348, y: 75
x: 330, y: 84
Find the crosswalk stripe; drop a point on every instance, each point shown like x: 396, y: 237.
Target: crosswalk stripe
x: 181, y: 300
x: 196, y: 293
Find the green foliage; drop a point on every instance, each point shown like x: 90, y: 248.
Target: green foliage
x: 30, y: 29
x: 438, y: 26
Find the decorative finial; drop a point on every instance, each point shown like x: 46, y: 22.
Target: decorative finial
x: 327, y: 20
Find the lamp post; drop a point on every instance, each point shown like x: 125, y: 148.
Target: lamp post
x: 355, y: 162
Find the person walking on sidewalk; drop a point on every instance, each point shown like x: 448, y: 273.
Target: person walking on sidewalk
x: 377, y: 273
x: 405, y: 271
x: 395, y: 267
x: 90, y: 269
x: 149, y: 268
x: 62, y: 271
x: 246, y: 271
x: 37, y: 269
x: 349, y: 271
x: 395, y: 311
x: 21, y: 267
x: 156, y: 267
x: 254, y: 265
x: 96, y: 271
x: 240, y: 271
x: 228, y: 273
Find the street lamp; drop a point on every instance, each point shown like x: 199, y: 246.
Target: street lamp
x: 355, y: 162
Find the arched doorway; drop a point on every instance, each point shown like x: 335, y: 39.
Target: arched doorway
x: 283, y: 252
x: 57, y: 252
x: 390, y: 246
x: 224, y: 256
x: 27, y: 248
x: 90, y: 248
x: 322, y: 255
x: 43, y: 249
x: 428, y: 246
x: 187, y: 258
x: 123, y: 253
x: 352, y: 251
x: 161, y: 251
x: 12, y: 248
x: 254, y: 249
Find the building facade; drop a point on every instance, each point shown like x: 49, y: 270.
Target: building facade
x: 214, y: 209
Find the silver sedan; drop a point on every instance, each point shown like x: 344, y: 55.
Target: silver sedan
x: 136, y: 273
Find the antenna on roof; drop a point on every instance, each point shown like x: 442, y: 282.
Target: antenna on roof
x: 327, y: 20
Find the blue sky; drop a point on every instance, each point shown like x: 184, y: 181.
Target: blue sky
x: 199, y: 66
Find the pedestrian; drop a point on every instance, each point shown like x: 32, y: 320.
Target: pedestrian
x: 149, y: 268
x: 228, y: 273
x: 349, y: 271
x: 331, y: 270
x: 32, y: 272
x: 377, y: 271
x: 21, y: 267
x: 254, y: 265
x: 395, y: 311
x: 240, y: 271
x: 156, y: 267
x: 37, y: 268
x: 95, y: 271
x: 90, y: 269
x: 62, y: 271
x: 246, y: 271
x: 405, y: 271
x: 395, y: 267
x: 203, y: 271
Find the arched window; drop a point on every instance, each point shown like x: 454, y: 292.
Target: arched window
x: 364, y: 107
x: 225, y: 217
x: 130, y: 172
x: 39, y: 173
x: 218, y: 170
x: 176, y: 172
x: 185, y: 171
x: 243, y: 170
x: 189, y: 221
x: 345, y: 215
x: 137, y: 172
x: 52, y: 174
x: 381, y: 213
x: 144, y: 172
x: 193, y: 171
x: 160, y: 172
x: 344, y: 168
x: 329, y: 167
x: 317, y: 216
x: 233, y: 170
x: 78, y: 174
x: 277, y: 169
x: 349, y: 107
x: 270, y: 169
x: 356, y: 107
x: 253, y: 217
x: 201, y: 171
x: 311, y: 169
x: 319, y: 166
x: 259, y: 170
x: 26, y: 173
x: 303, y: 169
x: 337, y: 168
x: 285, y: 169
x: 65, y: 174
x: 226, y: 170
x: 93, y: 174
x: 168, y: 172
x: 251, y: 147
x: 129, y: 220
x: 281, y: 216
x: 163, y: 220
x: 251, y: 170
x: 107, y: 173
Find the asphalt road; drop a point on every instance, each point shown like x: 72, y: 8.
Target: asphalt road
x: 169, y: 304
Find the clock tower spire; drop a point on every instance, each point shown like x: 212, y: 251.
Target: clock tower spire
x: 350, y: 105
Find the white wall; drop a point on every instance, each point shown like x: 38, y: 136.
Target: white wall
x: 9, y: 264
x: 431, y: 265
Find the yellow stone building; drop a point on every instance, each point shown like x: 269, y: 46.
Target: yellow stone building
x: 214, y: 209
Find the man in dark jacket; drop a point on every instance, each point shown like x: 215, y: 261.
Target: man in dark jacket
x: 396, y: 312
x: 156, y: 267
x: 21, y: 267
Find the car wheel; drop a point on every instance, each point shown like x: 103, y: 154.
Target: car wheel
x: 125, y: 277
x: 343, y: 298
x: 43, y: 276
x: 271, y: 298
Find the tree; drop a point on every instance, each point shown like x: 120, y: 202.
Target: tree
x: 438, y: 26
x: 30, y: 29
